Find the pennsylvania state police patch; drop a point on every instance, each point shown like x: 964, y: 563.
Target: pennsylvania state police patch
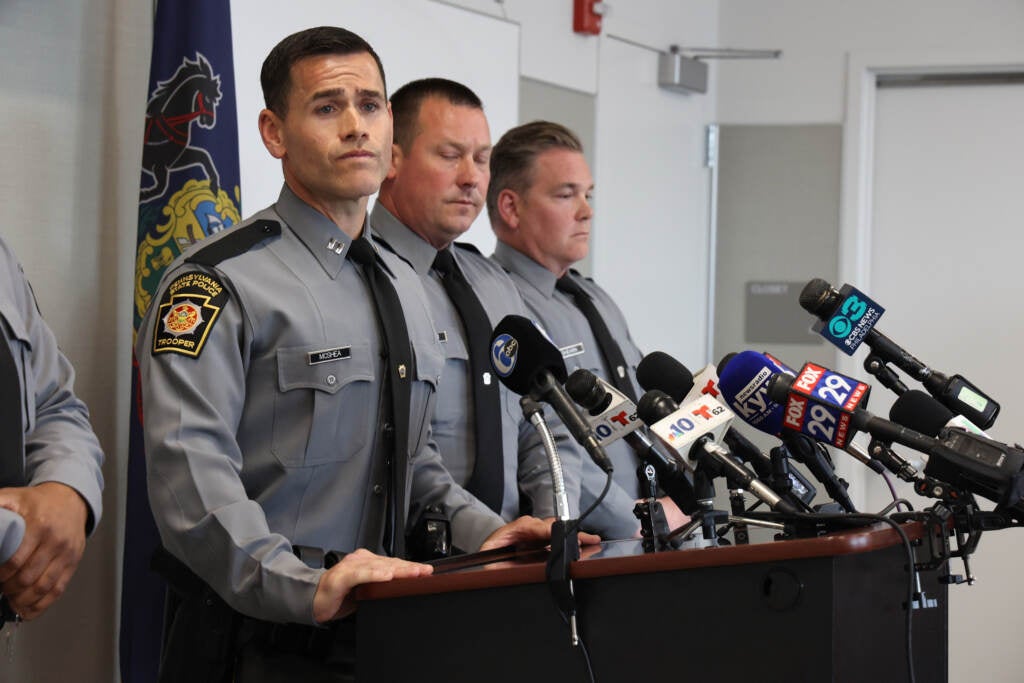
x: 189, y: 308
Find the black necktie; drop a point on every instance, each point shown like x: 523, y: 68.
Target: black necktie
x: 394, y: 419
x: 609, y: 348
x: 487, y: 481
x: 12, y: 445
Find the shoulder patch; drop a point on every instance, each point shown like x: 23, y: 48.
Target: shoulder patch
x: 468, y: 246
x: 188, y: 310
x: 237, y: 241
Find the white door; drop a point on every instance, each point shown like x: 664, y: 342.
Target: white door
x: 947, y: 261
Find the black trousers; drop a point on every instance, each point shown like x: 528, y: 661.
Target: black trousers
x: 208, y: 642
x: 269, y: 653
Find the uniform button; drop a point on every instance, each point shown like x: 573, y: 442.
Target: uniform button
x: 331, y: 379
x: 378, y: 489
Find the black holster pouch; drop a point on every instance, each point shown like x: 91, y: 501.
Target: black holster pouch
x: 431, y: 537
x: 200, y: 630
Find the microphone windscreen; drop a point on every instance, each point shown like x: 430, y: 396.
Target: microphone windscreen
x: 12, y: 531
x: 658, y: 370
x: 744, y: 385
x: 725, y: 361
x: 917, y: 410
x: 654, y: 406
x: 519, y: 351
x: 584, y: 387
x: 819, y: 298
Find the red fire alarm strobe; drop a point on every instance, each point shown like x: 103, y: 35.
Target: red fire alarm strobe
x: 586, y: 16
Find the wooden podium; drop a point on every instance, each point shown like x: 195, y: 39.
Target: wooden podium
x: 800, y: 611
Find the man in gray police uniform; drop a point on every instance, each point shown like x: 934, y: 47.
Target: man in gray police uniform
x: 539, y: 206
x: 434, y: 191
x: 274, y: 435
x: 50, y: 478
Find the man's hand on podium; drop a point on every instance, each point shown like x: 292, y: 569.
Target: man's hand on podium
x: 529, y: 531
x: 333, y: 598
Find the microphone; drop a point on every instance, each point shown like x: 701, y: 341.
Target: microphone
x: 529, y: 364
x: 812, y: 410
x: 658, y: 370
x: 744, y: 382
x: 848, y: 317
x: 919, y: 411
x: 693, y: 430
x: 612, y: 413
x: 967, y: 461
x: 12, y: 532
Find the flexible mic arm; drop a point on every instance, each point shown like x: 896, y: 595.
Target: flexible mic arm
x: 546, y: 388
x: 533, y: 412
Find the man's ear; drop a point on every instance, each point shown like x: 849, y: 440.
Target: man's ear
x: 508, y: 208
x: 271, y: 130
x: 396, y: 162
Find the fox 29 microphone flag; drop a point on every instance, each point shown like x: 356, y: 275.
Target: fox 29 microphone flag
x: 189, y: 190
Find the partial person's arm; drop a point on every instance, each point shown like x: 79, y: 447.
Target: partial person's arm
x: 191, y: 412
x: 62, y: 502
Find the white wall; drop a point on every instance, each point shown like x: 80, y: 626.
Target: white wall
x: 651, y: 227
x: 808, y: 84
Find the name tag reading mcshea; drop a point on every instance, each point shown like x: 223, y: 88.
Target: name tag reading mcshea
x: 328, y: 355
x: 572, y: 350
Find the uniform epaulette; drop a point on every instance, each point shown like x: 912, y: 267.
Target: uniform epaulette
x: 237, y: 241
x: 468, y: 246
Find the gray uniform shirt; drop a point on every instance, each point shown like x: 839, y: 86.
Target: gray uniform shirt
x: 526, y: 464
x: 567, y: 327
x: 60, y: 445
x: 261, y: 435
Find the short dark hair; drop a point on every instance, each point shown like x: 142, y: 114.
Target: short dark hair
x: 513, y: 156
x: 276, y: 75
x: 407, y: 100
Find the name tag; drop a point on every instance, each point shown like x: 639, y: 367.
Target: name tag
x: 572, y: 350
x: 328, y: 355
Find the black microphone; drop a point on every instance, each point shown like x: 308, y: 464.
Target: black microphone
x: 658, y: 370
x: 529, y: 364
x: 598, y: 398
x: 918, y: 410
x: 848, y: 317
